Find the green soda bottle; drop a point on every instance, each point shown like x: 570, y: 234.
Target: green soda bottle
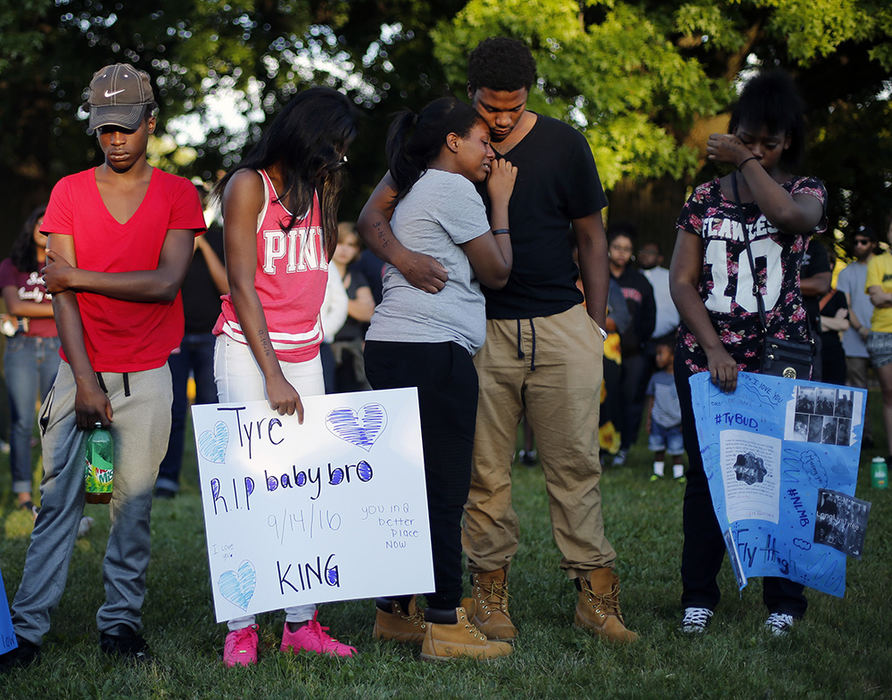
x: 99, y: 470
x: 879, y: 473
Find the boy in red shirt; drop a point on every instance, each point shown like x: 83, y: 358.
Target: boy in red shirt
x: 120, y: 242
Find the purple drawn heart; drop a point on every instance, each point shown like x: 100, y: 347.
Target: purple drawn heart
x: 360, y: 429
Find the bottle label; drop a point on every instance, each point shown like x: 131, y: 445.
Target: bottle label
x: 98, y: 480
x: 99, y: 469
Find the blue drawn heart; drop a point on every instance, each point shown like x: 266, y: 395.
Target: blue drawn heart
x: 238, y: 586
x: 212, y: 444
x: 360, y: 429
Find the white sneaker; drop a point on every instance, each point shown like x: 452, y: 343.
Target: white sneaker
x: 619, y: 459
x: 779, y: 624
x: 695, y: 620
x: 84, y: 525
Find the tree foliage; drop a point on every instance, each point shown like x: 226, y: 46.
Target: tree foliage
x: 648, y: 81
x: 192, y: 48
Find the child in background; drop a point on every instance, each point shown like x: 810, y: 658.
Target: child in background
x: 664, y: 414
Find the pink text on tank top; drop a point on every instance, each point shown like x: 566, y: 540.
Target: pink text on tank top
x: 290, y: 279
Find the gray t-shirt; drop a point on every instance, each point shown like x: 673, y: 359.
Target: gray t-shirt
x: 851, y: 281
x: 440, y: 212
x: 667, y: 410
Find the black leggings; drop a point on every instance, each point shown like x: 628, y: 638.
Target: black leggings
x: 704, y: 546
x: 447, y: 396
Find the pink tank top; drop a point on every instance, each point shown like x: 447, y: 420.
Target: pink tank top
x: 291, y: 275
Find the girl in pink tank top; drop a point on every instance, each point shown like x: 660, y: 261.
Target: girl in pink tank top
x: 279, y: 231
x: 290, y: 275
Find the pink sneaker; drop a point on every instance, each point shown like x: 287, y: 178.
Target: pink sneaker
x: 314, y: 637
x: 240, y: 648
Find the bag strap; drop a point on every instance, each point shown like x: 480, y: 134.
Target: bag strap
x: 826, y: 298
x: 749, y: 254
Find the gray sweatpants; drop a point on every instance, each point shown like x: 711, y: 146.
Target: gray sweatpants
x: 140, y: 428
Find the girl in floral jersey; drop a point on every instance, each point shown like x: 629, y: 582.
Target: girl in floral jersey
x: 712, y: 286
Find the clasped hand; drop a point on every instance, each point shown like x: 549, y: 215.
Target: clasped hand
x: 500, y: 183
x: 57, y: 274
x: 722, y: 369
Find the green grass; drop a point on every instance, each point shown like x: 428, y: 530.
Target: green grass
x: 841, y: 649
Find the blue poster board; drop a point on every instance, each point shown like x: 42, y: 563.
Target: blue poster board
x: 7, y: 635
x: 781, y: 456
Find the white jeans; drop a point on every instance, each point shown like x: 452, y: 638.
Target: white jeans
x: 238, y: 378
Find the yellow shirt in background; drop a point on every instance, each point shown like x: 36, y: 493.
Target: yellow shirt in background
x: 879, y: 273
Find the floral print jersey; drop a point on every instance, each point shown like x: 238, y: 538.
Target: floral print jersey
x: 726, y: 282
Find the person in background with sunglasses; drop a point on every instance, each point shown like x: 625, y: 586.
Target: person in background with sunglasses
x: 851, y: 282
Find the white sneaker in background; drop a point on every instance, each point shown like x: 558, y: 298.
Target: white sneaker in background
x: 84, y: 526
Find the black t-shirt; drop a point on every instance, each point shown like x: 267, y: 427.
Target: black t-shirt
x: 353, y: 329
x: 639, y: 296
x: 833, y: 365
x: 814, y: 261
x: 201, y: 300
x: 557, y: 181
x: 372, y: 268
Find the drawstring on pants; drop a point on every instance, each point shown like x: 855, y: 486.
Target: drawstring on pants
x: 520, y: 352
x: 125, y: 376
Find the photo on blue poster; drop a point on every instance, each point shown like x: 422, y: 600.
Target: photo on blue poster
x: 781, y: 457
x: 841, y: 522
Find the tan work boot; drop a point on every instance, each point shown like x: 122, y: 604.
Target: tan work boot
x: 598, y: 607
x: 399, y: 625
x: 460, y: 640
x: 488, y: 606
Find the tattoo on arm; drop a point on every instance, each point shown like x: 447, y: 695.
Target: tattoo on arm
x: 266, y: 344
x: 382, y: 237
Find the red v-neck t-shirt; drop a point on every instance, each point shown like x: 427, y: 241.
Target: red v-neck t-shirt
x: 119, y: 335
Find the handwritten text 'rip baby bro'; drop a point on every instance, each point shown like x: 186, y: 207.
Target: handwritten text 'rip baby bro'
x: 272, y: 431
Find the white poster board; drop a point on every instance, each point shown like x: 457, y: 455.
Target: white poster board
x: 331, y: 509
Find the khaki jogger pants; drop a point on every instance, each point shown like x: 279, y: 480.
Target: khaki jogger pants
x: 549, y: 369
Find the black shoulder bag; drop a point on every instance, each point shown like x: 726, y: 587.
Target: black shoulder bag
x: 780, y: 357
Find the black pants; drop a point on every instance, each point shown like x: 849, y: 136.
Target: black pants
x: 704, y: 546
x: 634, y: 375
x: 447, y: 396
